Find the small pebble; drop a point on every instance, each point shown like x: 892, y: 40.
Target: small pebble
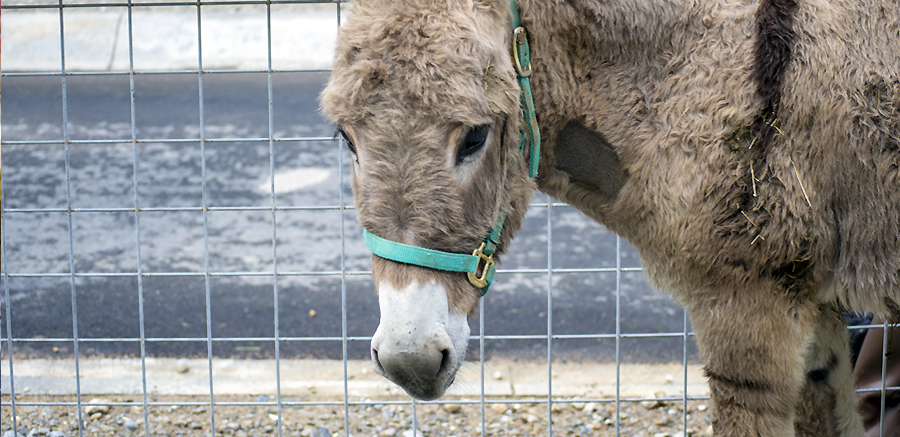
x: 498, y: 408
x: 452, y: 408
x: 129, y: 424
x: 498, y: 375
x: 652, y: 405
x: 412, y: 433
x: 90, y: 409
x: 182, y: 367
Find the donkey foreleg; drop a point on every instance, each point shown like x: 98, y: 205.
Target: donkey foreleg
x: 754, y: 342
x: 828, y: 404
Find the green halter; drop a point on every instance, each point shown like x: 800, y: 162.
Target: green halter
x: 481, y: 260
x: 522, y: 62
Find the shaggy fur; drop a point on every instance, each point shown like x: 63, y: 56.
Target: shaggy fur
x: 757, y: 146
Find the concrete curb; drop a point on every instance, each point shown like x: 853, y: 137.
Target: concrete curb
x: 166, y: 38
x: 324, y: 379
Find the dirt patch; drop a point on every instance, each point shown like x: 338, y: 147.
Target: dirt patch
x: 58, y: 416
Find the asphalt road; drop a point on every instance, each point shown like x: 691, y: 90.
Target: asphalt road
x: 169, y: 176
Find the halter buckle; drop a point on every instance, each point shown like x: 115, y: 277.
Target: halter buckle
x: 519, y: 39
x: 481, y: 282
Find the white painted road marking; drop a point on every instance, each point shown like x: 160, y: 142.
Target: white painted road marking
x: 296, y: 180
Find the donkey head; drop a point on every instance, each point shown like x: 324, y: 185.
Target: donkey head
x: 424, y: 92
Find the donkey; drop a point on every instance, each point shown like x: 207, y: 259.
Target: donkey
x: 748, y: 149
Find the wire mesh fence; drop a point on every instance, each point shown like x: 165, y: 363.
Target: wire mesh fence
x: 178, y: 239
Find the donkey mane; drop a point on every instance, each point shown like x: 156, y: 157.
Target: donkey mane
x: 383, y: 55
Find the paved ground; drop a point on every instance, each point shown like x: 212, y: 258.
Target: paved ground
x: 169, y: 176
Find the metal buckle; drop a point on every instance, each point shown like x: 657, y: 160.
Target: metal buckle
x: 488, y: 262
x: 520, y: 38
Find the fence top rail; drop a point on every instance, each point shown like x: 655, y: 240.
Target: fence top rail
x: 161, y: 72
x: 170, y: 3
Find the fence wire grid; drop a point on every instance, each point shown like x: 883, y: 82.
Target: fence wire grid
x: 211, y: 185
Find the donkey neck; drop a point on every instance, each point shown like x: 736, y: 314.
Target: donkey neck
x: 602, y: 84
x: 615, y: 31
x: 598, y: 59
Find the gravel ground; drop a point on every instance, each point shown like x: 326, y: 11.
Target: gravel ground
x: 56, y: 416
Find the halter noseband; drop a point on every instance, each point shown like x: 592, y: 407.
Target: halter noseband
x: 482, y: 259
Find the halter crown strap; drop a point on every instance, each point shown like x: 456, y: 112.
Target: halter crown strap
x: 483, y: 256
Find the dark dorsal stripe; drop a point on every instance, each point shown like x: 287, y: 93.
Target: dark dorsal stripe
x: 774, y: 44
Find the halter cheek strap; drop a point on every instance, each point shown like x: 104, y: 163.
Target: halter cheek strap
x: 479, y: 266
x: 522, y: 62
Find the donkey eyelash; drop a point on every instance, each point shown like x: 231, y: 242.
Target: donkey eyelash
x: 340, y: 132
x: 350, y: 146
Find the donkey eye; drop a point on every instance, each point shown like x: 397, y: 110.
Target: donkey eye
x: 347, y: 139
x: 472, y: 142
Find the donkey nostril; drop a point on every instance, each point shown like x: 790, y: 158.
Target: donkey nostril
x: 377, y: 362
x: 446, y: 362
